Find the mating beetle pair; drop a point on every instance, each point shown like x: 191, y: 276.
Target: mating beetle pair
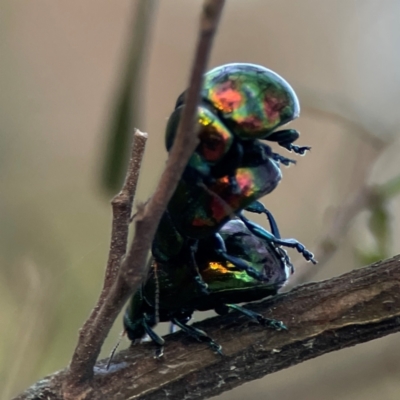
x: 231, y: 167
x: 229, y: 171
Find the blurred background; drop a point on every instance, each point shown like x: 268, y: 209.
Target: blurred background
x: 66, y: 78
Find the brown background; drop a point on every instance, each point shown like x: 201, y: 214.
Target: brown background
x: 60, y: 65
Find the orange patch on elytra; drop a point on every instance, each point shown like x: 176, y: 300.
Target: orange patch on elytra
x: 226, y: 99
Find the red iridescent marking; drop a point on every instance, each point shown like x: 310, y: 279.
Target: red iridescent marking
x: 226, y: 98
x: 273, y: 107
x: 245, y: 180
x: 213, y: 143
x: 211, y: 147
x: 199, y: 222
x: 225, y: 201
x: 215, y: 138
x: 219, y: 209
x: 250, y: 124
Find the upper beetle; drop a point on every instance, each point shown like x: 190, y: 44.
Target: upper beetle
x: 239, y: 102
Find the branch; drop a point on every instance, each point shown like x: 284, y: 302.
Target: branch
x: 356, y: 307
x: 122, y: 210
x: 78, y: 381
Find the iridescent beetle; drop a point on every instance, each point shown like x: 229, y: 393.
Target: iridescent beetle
x: 169, y: 294
x: 206, y: 254
x: 239, y: 101
x: 231, y: 168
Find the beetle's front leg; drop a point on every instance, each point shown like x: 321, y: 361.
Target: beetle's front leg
x: 285, y: 138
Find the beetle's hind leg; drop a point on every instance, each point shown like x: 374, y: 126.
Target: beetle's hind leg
x: 253, y: 316
x: 157, y: 340
x: 260, y: 232
x: 198, y: 334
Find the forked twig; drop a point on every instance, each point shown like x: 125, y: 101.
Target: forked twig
x: 77, y: 383
x: 122, y: 209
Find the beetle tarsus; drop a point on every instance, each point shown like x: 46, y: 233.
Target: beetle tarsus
x: 260, y: 319
x: 282, y: 159
x: 159, y: 352
x: 199, y: 335
x: 301, y: 150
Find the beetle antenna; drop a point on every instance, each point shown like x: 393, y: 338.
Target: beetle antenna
x: 121, y: 335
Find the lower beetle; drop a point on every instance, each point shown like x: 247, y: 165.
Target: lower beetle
x: 169, y: 293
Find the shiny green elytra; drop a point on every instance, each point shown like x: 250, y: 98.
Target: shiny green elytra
x: 239, y: 102
x: 252, y: 100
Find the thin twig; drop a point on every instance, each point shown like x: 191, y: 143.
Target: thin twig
x: 356, y: 307
x: 91, y: 338
x: 122, y: 209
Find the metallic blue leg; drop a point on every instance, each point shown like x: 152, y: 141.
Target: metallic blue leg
x: 260, y: 232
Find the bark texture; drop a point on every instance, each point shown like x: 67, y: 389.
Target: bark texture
x: 356, y: 307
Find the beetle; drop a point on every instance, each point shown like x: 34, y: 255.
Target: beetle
x: 231, y: 168
x: 239, y: 102
x: 168, y: 294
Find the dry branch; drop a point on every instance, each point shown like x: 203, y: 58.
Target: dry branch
x: 122, y: 210
x: 356, y: 307
x: 78, y: 382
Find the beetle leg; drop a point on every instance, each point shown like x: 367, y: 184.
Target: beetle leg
x: 264, y: 234
x: 198, y: 334
x: 172, y: 328
x: 242, y: 265
x: 285, y: 138
x: 259, y: 208
x: 283, y: 160
x: 203, y: 287
x: 260, y: 319
x: 159, y: 341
